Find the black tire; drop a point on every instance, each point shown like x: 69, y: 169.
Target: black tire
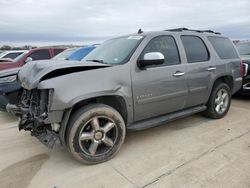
x: 211, y: 111
x: 84, y: 124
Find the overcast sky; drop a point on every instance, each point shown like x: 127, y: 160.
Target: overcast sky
x: 41, y: 22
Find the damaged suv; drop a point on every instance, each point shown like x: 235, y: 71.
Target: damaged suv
x: 131, y: 82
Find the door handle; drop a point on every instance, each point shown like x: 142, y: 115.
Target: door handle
x: 178, y: 73
x: 211, y: 68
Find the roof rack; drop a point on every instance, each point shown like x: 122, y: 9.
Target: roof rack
x: 199, y: 31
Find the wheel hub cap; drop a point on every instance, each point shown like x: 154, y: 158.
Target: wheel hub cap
x: 98, y: 135
x: 221, y: 101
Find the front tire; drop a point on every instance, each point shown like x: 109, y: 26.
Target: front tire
x: 219, y: 101
x: 95, y: 133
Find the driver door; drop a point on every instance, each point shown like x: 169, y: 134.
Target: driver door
x: 160, y: 89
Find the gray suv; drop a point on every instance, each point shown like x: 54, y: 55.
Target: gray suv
x: 131, y: 82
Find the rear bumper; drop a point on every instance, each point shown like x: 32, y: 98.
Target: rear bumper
x: 237, y: 85
x: 245, y: 88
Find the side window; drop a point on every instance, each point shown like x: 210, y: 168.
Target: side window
x: 40, y: 55
x: 223, y: 47
x: 57, y: 51
x: 167, y: 46
x: 195, y: 49
x: 12, y: 55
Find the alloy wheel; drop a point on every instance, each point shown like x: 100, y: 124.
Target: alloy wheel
x: 221, y: 101
x: 98, y: 136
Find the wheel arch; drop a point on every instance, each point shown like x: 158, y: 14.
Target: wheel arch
x: 228, y: 79
x: 117, y: 102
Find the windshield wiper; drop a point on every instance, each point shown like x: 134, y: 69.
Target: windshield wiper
x: 97, y: 60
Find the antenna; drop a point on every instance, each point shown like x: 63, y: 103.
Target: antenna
x: 140, y: 31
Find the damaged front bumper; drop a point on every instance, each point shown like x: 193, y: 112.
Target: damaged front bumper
x: 32, y: 118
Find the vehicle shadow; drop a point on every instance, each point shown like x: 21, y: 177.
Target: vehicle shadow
x: 241, y: 97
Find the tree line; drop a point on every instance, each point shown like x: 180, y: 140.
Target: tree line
x: 25, y: 47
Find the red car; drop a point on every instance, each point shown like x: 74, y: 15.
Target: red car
x: 32, y: 55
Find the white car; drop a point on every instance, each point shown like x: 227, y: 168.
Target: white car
x: 12, y: 54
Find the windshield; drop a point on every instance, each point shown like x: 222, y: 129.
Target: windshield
x: 65, y: 54
x: 115, y: 51
x: 244, y: 49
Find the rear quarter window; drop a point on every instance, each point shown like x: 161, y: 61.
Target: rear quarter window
x: 223, y: 47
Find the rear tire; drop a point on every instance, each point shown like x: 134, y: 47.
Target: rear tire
x: 219, y: 101
x: 95, y: 133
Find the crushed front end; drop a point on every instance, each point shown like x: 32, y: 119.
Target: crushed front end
x: 32, y: 110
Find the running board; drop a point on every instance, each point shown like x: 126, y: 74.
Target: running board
x: 153, y: 122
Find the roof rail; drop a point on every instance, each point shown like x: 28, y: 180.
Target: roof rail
x: 199, y: 31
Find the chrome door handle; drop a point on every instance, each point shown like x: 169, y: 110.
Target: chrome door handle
x: 178, y: 73
x: 211, y: 68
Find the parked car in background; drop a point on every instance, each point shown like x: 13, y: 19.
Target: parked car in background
x: 6, y: 60
x: 10, y: 88
x: 12, y: 54
x: 74, y: 54
x: 80, y: 53
x: 131, y: 82
x: 32, y: 55
x: 65, y: 54
x: 11, y: 57
x: 244, y: 51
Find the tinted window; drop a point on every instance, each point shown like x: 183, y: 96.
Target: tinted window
x: 58, y: 51
x: 167, y: 46
x: 195, y: 49
x: 40, y: 55
x: 12, y: 55
x: 223, y: 47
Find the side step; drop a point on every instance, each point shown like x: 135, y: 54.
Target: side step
x: 153, y: 122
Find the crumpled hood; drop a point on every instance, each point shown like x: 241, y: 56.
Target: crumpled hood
x: 31, y: 74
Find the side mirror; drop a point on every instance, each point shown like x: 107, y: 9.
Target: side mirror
x: 151, y: 58
x: 28, y: 59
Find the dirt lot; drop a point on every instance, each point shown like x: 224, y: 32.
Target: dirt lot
x: 191, y: 152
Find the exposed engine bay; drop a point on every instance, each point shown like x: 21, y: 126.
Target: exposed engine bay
x: 32, y: 111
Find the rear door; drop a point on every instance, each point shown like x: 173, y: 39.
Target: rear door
x: 200, y: 68
x: 160, y: 89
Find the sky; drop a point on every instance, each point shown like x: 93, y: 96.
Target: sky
x: 51, y: 22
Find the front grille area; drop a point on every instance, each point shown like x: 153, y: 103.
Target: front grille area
x: 36, y: 101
